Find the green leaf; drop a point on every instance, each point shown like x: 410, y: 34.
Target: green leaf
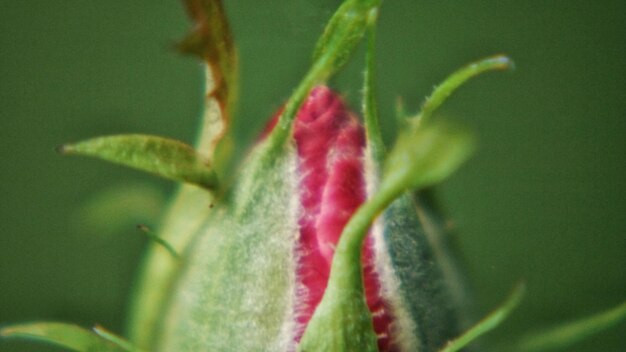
x: 212, y: 41
x: 69, y: 336
x: 341, y: 36
x: 562, y: 336
x: 490, y: 322
x: 163, y: 157
x: 457, y: 79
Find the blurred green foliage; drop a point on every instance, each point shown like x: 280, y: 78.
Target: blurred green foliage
x: 544, y: 198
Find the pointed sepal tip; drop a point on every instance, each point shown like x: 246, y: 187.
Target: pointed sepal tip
x: 163, y: 157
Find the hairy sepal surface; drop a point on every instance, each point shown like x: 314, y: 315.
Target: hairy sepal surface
x: 235, y: 291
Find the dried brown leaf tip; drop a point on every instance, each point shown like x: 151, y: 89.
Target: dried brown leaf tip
x: 212, y: 40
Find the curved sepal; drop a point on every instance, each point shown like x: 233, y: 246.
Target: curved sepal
x: 344, y: 31
x: 341, y: 36
x: 69, y: 336
x: 160, y: 156
x: 441, y: 93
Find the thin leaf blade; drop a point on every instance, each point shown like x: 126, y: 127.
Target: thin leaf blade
x: 69, y: 336
x: 164, y: 157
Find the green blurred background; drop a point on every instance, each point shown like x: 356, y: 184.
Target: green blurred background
x: 543, y: 199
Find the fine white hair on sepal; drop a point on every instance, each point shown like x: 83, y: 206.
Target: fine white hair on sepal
x: 403, y: 327
x: 240, y: 268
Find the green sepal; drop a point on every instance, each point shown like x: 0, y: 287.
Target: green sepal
x: 341, y: 36
x: 235, y: 288
x: 66, y: 335
x: 426, y: 156
x: 490, y: 322
x: 562, y: 336
x: 344, y: 31
x: 160, y: 156
x: 342, y: 322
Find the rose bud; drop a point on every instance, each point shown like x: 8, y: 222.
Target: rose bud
x: 319, y: 241
x: 260, y: 266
